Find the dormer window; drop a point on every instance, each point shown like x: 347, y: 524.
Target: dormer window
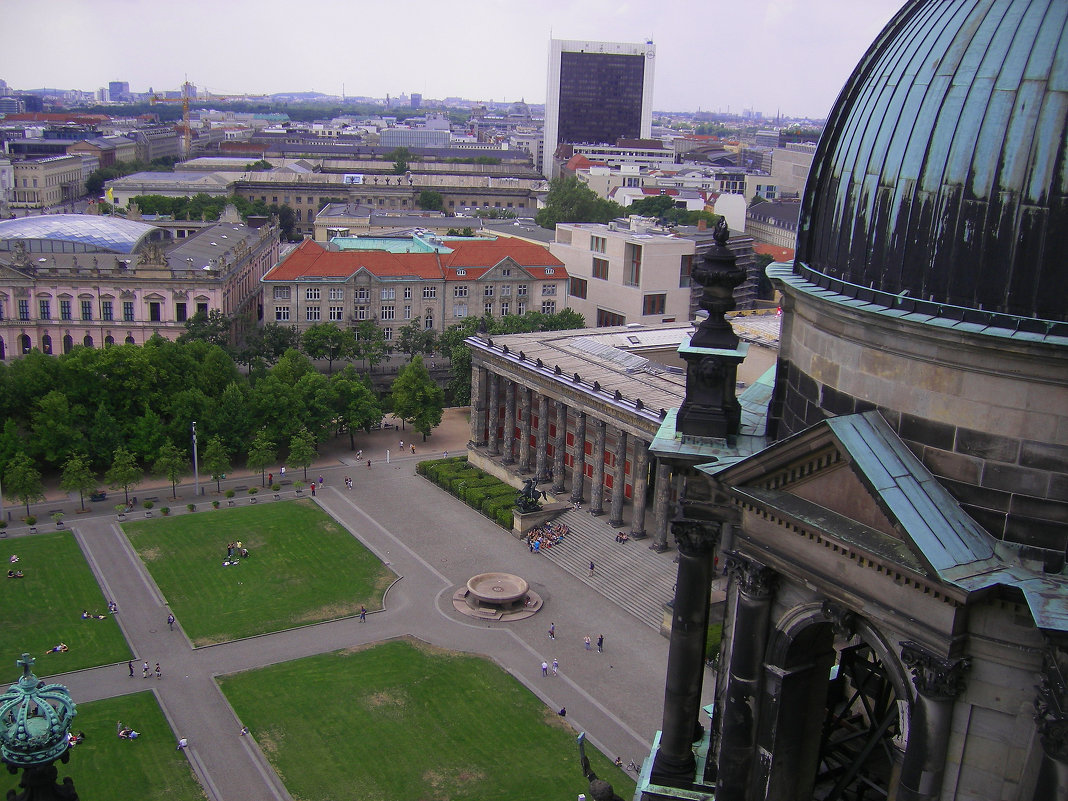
x: 461, y: 271
x: 550, y: 270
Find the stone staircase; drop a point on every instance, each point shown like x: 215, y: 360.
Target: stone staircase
x: 641, y: 581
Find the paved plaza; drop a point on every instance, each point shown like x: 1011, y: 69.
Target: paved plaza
x: 434, y: 543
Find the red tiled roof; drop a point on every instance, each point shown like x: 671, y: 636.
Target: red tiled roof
x: 776, y: 252
x: 312, y: 260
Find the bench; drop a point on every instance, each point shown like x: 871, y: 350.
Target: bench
x: 154, y: 499
x: 243, y: 488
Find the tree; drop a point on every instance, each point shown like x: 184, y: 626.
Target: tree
x: 414, y: 338
x: 22, y: 481
x: 216, y: 461
x: 77, y: 475
x: 416, y: 398
x: 267, y: 343
x: 330, y: 342
x: 56, y: 429
x: 431, y: 200
x: 261, y: 454
x: 355, y: 402
x: 370, y: 342
x: 302, y: 450
x: 400, y: 158
x: 570, y: 200
x: 171, y: 463
x: 124, y: 472
x: 213, y: 327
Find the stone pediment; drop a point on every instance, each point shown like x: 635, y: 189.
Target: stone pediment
x: 494, y: 273
x: 851, y: 478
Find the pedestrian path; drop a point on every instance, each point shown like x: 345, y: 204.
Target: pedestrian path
x: 640, y: 580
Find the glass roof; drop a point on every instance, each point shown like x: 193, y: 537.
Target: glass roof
x: 112, y: 234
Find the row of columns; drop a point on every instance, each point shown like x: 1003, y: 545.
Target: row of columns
x: 519, y: 403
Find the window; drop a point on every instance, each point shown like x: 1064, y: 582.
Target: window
x: 387, y: 333
x: 521, y: 308
x: 154, y: 314
x: 64, y: 310
x: 461, y: 271
x: 487, y: 309
x: 506, y: 290
x: 312, y: 313
x: 521, y: 290
x: 548, y: 307
x: 504, y: 308
x: 87, y: 310
x: 428, y: 321
x: 363, y: 294
x: 459, y: 310
x: 550, y: 270
x: 202, y: 308
x: 632, y: 265
x: 337, y: 313
x: 127, y: 311
x: 179, y: 311
x: 389, y: 312
x: 311, y: 293
x: 389, y: 294
x: 281, y: 293
x: 488, y: 291
x: 24, y: 310
x: 506, y: 271
x: 45, y: 309
x: 548, y: 289
x: 107, y: 311
x: 407, y: 293
x: 654, y: 304
x: 606, y: 319
x: 311, y: 199
x: 600, y: 269
x: 281, y: 314
x: 459, y: 291
x: 337, y: 293
x: 598, y: 244
x: 407, y: 312
x: 430, y: 292
x: 685, y: 269
x: 577, y: 287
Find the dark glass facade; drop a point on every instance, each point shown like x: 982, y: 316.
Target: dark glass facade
x: 600, y: 97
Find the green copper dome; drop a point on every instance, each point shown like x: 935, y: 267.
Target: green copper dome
x: 34, y: 720
x: 941, y: 176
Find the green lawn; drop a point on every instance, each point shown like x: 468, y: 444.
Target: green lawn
x: 303, y: 568
x: 45, y: 607
x: 104, y: 766
x: 403, y: 721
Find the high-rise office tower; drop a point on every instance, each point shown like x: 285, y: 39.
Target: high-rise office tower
x: 597, y: 92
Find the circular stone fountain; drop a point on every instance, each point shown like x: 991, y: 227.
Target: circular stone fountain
x: 496, y: 596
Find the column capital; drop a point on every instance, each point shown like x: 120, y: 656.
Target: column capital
x: 695, y: 537
x: 935, y: 677
x: 754, y: 579
x: 1051, y: 709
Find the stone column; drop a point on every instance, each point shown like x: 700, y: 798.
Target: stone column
x: 541, y: 470
x: 597, y: 480
x: 560, y: 445
x: 752, y: 585
x: 674, y: 763
x: 640, y: 475
x: 661, y: 501
x: 524, y: 429
x: 508, y: 440
x: 619, y: 480
x: 938, y: 683
x: 578, y: 473
x: 493, y: 414
x: 478, y: 406
x: 1051, y: 716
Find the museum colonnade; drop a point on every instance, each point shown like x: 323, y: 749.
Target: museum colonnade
x: 582, y: 450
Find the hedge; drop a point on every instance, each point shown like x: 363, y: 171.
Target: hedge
x: 479, y: 490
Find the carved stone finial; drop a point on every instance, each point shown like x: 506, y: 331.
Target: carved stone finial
x: 718, y: 273
x: 936, y: 678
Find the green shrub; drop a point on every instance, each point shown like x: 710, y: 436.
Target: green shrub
x: 148, y: 504
x: 229, y: 493
x: 715, y: 635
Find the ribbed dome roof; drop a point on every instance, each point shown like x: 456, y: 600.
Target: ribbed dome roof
x: 942, y: 170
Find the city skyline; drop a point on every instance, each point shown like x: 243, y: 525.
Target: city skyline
x: 774, y: 55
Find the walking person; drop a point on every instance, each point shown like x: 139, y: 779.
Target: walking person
x: 159, y: 671
x: 182, y: 744
x: 144, y: 670
x: 270, y: 479
x: 556, y: 667
x: 413, y: 450
x: 131, y: 668
x: 591, y: 568
x: 586, y: 640
x: 600, y: 643
x: 544, y: 668
x: 170, y: 622
x: 387, y: 455
x: 363, y: 613
x: 552, y: 631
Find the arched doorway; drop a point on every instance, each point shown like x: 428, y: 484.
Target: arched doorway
x: 839, y: 698
x: 68, y: 343
x: 88, y: 341
x: 24, y: 344
x: 46, y: 344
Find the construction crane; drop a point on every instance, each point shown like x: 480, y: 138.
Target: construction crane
x: 187, y: 137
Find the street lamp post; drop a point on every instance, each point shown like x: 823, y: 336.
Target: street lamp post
x: 196, y: 468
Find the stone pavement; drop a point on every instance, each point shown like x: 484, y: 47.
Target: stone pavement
x: 434, y: 543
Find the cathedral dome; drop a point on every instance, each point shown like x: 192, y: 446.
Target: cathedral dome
x: 941, y: 176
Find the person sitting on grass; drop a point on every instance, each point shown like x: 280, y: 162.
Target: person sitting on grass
x: 14, y: 574
x: 14, y: 558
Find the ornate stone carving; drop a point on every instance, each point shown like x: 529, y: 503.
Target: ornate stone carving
x: 695, y: 537
x: 151, y: 253
x: 1051, y: 714
x: 934, y: 677
x: 843, y: 620
x: 754, y: 579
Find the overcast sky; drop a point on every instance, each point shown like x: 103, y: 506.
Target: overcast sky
x: 792, y: 55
